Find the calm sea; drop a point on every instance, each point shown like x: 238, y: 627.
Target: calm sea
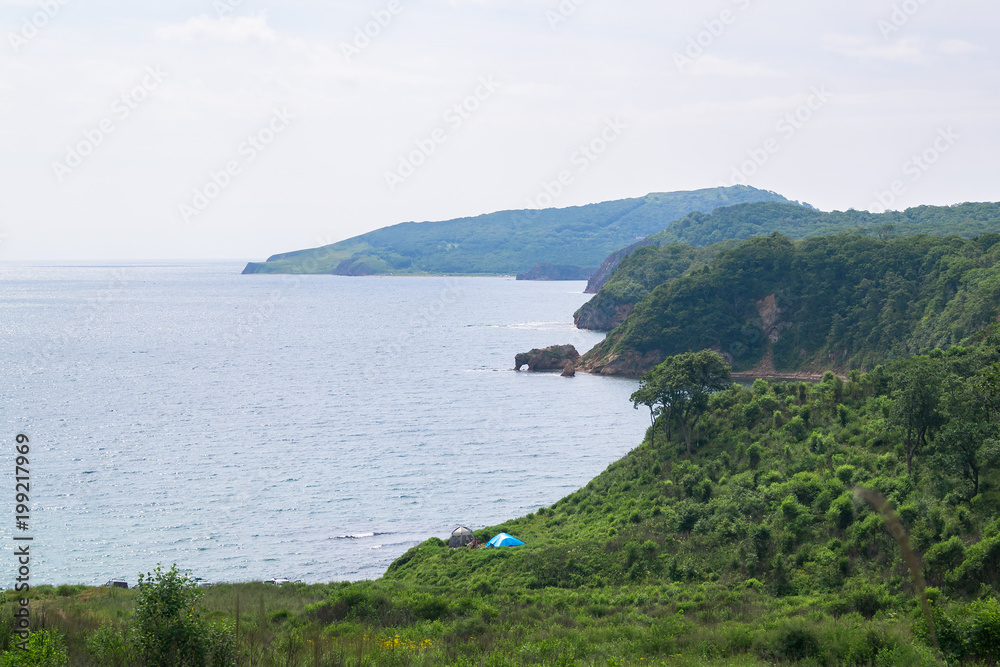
x: 315, y: 428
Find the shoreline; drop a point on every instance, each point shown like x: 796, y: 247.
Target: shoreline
x: 736, y: 375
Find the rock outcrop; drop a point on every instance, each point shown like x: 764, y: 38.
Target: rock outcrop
x: 602, y: 318
x: 626, y: 364
x: 770, y: 318
x: 555, y: 358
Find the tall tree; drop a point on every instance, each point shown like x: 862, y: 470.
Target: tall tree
x: 967, y: 444
x: 649, y: 394
x: 916, y: 392
x: 687, y: 380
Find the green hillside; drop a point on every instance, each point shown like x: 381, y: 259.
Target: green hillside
x: 844, y: 301
x: 768, y: 543
x: 508, y: 242
x: 628, y: 276
x: 757, y: 542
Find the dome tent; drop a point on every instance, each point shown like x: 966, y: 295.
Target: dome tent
x: 461, y: 537
x: 504, y: 540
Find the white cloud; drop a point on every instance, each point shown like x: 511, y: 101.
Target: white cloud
x: 903, y: 50
x: 958, y: 47
x: 226, y: 29
x: 715, y: 66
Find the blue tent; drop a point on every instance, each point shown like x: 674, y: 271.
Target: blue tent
x: 504, y: 540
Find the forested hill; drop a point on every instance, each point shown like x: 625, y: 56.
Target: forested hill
x: 509, y: 242
x: 756, y: 541
x: 847, y: 301
x: 652, y: 261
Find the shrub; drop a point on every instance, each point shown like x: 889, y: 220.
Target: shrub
x: 942, y: 558
x: 867, y: 599
x: 845, y: 474
x: 796, y: 428
x: 110, y: 647
x: 45, y: 649
x: 980, y: 566
x: 969, y: 632
x: 841, y: 512
x: 171, y: 630
x: 795, y: 641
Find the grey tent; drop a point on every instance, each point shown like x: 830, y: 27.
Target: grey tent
x: 461, y: 537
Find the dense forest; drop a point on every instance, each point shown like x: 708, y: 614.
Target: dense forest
x: 508, y: 242
x: 849, y: 301
x: 755, y: 525
x: 652, y: 261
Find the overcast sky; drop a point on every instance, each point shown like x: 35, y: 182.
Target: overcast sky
x: 239, y: 129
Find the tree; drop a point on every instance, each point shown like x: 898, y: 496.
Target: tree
x: 967, y: 443
x: 649, y: 395
x: 916, y: 409
x: 171, y: 629
x: 686, y: 381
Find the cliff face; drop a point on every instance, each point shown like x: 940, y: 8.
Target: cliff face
x: 629, y: 363
x: 603, y: 317
x: 608, y: 267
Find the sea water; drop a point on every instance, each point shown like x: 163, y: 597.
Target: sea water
x: 308, y: 427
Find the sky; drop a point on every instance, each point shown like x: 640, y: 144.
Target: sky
x: 237, y: 129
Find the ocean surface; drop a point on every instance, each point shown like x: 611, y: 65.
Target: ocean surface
x: 308, y: 427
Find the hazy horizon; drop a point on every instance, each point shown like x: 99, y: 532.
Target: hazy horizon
x: 239, y: 129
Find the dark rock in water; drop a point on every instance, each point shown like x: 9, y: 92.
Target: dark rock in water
x: 570, y: 370
x: 555, y: 272
x: 550, y: 359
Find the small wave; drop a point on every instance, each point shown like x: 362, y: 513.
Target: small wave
x: 360, y: 536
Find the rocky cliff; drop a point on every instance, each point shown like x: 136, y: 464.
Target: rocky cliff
x: 555, y: 358
x: 603, y: 316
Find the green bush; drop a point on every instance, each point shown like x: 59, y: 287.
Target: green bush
x: 170, y: 628
x: 45, y: 649
x: 967, y: 632
x: 841, y: 512
x: 796, y: 641
x: 111, y: 647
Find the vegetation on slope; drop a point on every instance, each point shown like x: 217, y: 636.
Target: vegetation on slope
x: 754, y: 549
x: 631, y: 274
x: 833, y: 302
x: 636, y: 276
x: 508, y: 242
